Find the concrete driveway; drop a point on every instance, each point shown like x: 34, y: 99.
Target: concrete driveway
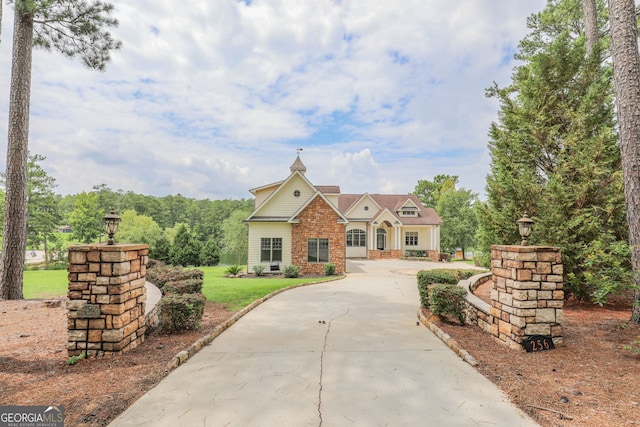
x: 345, y: 353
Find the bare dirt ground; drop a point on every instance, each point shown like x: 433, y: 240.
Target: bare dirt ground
x: 588, y: 381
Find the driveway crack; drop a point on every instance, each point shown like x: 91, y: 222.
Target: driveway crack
x: 324, y: 348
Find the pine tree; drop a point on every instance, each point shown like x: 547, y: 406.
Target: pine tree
x: 626, y: 66
x: 74, y: 28
x: 554, y: 149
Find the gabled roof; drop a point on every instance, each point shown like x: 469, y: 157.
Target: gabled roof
x: 391, y: 202
x: 323, y: 197
x: 350, y: 203
x: 264, y: 187
x: 255, y: 215
x: 281, y: 185
x: 328, y: 189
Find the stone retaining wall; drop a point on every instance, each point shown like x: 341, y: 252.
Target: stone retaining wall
x: 106, y: 298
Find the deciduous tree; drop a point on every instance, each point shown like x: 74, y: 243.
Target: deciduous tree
x: 455, y: 208
x: 429, y: 191
x: 86, y: 218
x: 236, y: 235
x: 74, y: 28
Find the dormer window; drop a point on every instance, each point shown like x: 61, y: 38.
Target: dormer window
x: 408, y: 213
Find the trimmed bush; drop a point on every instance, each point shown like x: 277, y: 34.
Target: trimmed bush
x: 258, y: 269
x: 161, y: 274
x: 329, y: 269
x: 427, y: 278
x: 180, y: 312
x: 291, y: 271
x: 188, y: 286
x: 447, y: 300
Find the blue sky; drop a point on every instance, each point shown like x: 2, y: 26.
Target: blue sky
x: 212, y: 99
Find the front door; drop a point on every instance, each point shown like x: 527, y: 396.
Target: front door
x: 381, y: 239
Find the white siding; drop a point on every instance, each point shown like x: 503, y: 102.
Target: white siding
x: 284, y: 203
x: 358, y: 210
x: 424, y: 238
x: 257, y: 230
x: 358, y: 252
x: 262, y: 195
x: 333, y: 198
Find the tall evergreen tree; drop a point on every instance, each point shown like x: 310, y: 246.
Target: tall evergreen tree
x: 43, y: 214
x: 74, y: 28
x: 626, y: 67
x: 554, y: 150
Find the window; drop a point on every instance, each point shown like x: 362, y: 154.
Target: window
x: 318, y: 250
x: 411, y: 238
x: 270, y: 249
x: 356, y: 238
x: 408, y: 213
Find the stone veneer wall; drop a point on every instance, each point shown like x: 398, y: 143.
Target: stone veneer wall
x: 107, y: 295
x: 527, y: 296
x: 318, y: 220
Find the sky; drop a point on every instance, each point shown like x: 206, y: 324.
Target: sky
x: 209, y: 99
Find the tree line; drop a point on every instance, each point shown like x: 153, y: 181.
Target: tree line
x: 179, y: 230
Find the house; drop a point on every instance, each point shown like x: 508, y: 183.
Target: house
x: 296, y: 222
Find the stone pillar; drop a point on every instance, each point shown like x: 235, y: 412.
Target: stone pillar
x: 527, y: 295
x: 106, y: 298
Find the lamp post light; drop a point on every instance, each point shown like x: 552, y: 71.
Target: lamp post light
x: 111, y: 221
x: 525, y: 226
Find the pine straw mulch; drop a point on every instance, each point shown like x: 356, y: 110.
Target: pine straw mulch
x: 589, y: 380
x: 34, y: 369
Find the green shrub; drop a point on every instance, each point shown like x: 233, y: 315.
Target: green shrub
x: 291, y: 271
x: 258, y: 269
x: 447, y: 300
x: 438, y: 276
x: 329, y: 269
x: 415, y: 254
x: 179, y: 312
x: 427, y: 278
x: 161, y: 274
x: 233, y: 270
x: 187, y: 286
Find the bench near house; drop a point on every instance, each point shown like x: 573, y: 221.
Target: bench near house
x: 296, y: 222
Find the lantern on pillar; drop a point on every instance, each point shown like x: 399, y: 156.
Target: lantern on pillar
x: 111, y: 221
x: 525, y: 226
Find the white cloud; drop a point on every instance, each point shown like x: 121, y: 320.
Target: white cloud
x: 210, y: 99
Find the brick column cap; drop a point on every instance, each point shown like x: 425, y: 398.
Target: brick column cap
x: 524, y: 249
x: 108, y: 248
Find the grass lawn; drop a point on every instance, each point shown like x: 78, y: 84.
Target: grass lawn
x: 237, y: 293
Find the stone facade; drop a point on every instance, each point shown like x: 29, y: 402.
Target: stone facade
x: 106, y: 298
x: 527, y: 295
x: 318, y: 220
